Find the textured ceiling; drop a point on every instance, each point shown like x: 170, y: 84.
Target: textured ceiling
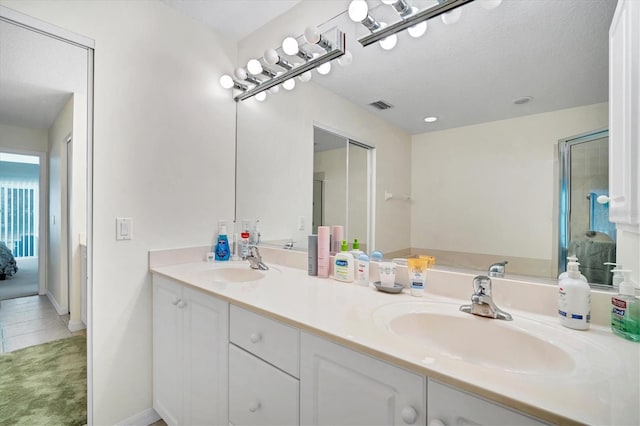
x: 37, y: 76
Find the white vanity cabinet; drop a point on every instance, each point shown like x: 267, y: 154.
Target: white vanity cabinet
x: 190, y: 338
x: 448, y: 407
x: 263, y: 370
x: 624, y: 116
x: 339, y: 386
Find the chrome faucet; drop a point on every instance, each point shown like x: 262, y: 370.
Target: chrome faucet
x: 481, y: 301
x: 497, y: 269
x: 254, y: 258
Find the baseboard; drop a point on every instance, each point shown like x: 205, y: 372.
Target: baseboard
x: 143, y: 418
x: 54, y: 302
x: 76, y: 326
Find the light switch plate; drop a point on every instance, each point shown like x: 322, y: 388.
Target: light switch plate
x: 124, y: 228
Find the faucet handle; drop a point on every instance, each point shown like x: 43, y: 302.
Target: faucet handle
x: 497, y: 269
x: 482, y: 285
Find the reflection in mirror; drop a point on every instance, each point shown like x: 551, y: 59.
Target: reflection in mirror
x: 483, y: 179
x: 585, y: 230
x: 341, y: 173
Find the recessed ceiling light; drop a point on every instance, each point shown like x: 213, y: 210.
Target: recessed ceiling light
x: 522, y: 100
x: 430, y: 119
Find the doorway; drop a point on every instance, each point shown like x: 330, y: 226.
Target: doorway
x: 585, y: 229
x: 20, y: 211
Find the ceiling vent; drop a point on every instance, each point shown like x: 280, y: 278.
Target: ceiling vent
x: 381, y: 105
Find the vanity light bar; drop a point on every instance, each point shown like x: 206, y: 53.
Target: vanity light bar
x: 431, y: 12
x: 335, y: 52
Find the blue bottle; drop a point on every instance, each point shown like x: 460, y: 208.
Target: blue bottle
x: 222, y: 246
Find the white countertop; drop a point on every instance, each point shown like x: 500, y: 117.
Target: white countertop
x: 602, y: 387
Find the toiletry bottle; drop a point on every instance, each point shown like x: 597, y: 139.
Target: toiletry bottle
x: 244, y: 244
x: 222, y: 246
x: 312, y: 256
x: 565, y: 274
x: 618, y: 275
x: 343, y: 265
x: 323, y: 251
x: 625, y: 310
x: 337, y: 234
x: 362, y: 271
x: 417, y: 268
x: 574, y: 299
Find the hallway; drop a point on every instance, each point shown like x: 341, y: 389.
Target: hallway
x: 29, y: 321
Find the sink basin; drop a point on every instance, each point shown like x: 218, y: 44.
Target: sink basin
x: 505, y: 345
x: 233, y: 274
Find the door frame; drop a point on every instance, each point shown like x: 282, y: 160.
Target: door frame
x: 43, y: 199
x: 33, y: 24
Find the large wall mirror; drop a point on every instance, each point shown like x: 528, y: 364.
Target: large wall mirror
x: 478, y: 185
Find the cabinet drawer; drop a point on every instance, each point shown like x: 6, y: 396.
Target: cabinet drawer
x: 259, y: 393
x: 268, y: 339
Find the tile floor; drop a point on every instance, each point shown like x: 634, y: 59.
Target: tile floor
x: 29, y: 321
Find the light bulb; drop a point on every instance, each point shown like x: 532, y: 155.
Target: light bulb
x: 274, y: 89
x: 389, y: 2
x: 226, y: 81
x: 305, y: 76
x: 271, y: 56
x: 261, y: 96
x: 358, y: 10
x: 254, y: 66
x: 289, y: 84
x: 312, y: 35
x: 418, y: 29
x: 240, y: 73
x: 345, y: 60
x: 431, y: 119
x: 324, y: 69
x: 290, y: 46
x: 389, y: 42
x: 451, y: 17
x: 490, y: 4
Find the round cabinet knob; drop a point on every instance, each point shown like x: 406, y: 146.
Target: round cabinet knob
x: 436, y: 422
x: 181, y: 304
x: 175, y: 301
x: 254, y: 406
x: 409, y: 415
x: 255, y: 337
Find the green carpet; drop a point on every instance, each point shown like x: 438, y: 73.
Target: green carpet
x: 45, y: 384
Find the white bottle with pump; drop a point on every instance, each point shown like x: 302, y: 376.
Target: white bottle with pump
x: 565, y: 274
x: 574, y: 300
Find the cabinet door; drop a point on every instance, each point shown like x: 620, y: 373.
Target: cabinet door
x: 206, y: 336
x: 448, y: 406
x: 339, y: 386
x: 624, y: 116
x: 259, y: 393
x: 167, y: 350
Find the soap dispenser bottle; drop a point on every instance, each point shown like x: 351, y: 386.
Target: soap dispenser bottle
x: 574, y: 300
x: 625, y: 310
x: 343, y: 266
x: 222, y: 251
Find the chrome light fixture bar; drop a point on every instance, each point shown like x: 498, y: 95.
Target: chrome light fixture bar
x: 411, y: 20
x: 336, y: 52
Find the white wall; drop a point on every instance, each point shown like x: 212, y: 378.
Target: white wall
x: 57, y: 253
x: 491, y: 188
x: 163, y: 145
x: 275, y: 143
x: 22, y: 138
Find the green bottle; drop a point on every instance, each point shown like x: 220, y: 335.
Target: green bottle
x: 625, y: 311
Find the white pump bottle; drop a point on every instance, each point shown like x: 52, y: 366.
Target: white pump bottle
x: 574, y: 299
